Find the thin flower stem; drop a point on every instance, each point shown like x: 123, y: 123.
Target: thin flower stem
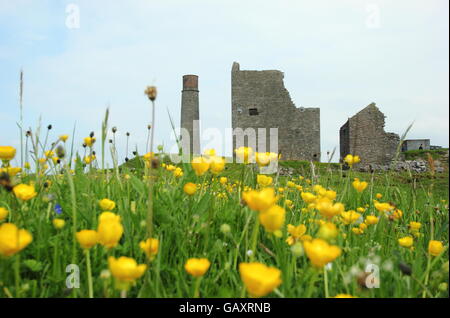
x: 325, y: 280
x: 153, y: 127
x: 254, y: 239
x: 197, y: 287
x: 74, y: 218
x: 17, y: 274
x: 89, y: 273
x: 312, y: 282
x: 151, y: 181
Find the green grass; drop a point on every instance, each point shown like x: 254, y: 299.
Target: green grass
x: 190, y: 227
x: 423, y: 154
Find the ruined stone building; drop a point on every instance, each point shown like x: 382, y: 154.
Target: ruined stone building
x: 190, y: 130
x: 364, y: 135
x: 260, y: 100
x: 416, y: 144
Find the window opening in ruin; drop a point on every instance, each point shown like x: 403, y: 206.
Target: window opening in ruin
x: 253, y: 111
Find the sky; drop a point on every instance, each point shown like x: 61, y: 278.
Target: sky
x: 80, y: 57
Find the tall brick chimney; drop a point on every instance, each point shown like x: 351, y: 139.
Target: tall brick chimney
x: 190, y: 115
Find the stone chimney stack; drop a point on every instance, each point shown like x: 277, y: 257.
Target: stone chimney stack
x: 190, y: 115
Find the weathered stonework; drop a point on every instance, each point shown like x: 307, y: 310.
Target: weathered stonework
x: 190, y: 134
x: 364, y: 135
x: 260, y: 100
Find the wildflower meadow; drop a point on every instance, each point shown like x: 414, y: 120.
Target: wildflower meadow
x: 149, y: 227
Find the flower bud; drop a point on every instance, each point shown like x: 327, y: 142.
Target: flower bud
x: 151, y: 92
x: 297, y: 249
x: 225, y: 228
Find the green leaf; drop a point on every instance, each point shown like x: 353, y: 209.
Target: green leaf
x: 33, y: 265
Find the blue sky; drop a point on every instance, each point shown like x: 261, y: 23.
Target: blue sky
x: 333, y: 56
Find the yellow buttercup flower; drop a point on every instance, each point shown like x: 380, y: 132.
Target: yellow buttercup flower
x: 262, y: 159
x: 289, y: 203
x: 357, y: 230
x: 197, y: 266
x: 178, y: 172
x: 406, y: 241
x: 200, y: 165
x: 87, y: 238
x: 7, y: 153
x: 260, y: 200
x: 318, y: 188
x: 296, y: 233
x: 244, y: 154
x: 109, y: 216
x: 329, y: 194
x: 58, y: 223
x: 170, y: 167
x: 89, y: 159
x: 383, y: 207
x: 327, y: 231
x: 414, y: 226
x: 308, y: 197
x: 63, y: 138
x: 109, y: 229
x: 273, y: 218
x: 126, y: 269
x: 209, y: 152
x: 397, y: 214
x: 148, y: 156
x: 89, y: 141
x: 264, y: 180
x: 223, y: 180
x: 328, y: 209
x: 320, y: 252
x: 378, y: 195
x: 371, y: 219
x: 11, y: 171
x: 107, y: 204
x: 259, y: 279
x: 350, y: 217
x: 3, y: 213
x: 290, y: 184
x: 24, y: 192
x: 359, y: 186
x: 351, y: 160
x: 150, y: 247
x: 190, y: 188
x: 49, y: 154
x: 216, y: 164
x: 435, y: 248
x: 12, y: 239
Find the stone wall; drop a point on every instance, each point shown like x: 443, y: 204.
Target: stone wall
x: 260, y: 100
x: 364, y: 135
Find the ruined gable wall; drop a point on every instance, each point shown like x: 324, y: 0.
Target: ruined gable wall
x: 368, y: 139
x: 298, y: 128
